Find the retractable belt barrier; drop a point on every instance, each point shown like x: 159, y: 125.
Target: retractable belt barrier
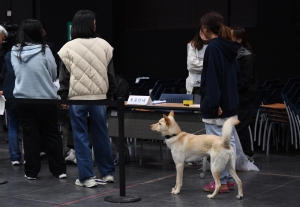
x: 122, y: 198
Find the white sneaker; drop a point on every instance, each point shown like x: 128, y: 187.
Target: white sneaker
x: 89, y: 183
x: 190, y: 163
x: 100, y: 181
x: 71, y: 156
x: 75, y: 161
x: 42, y: 154
x: 62, y: 176
x: 30, y: 178
x: 16, y: 162
x: 108, y: 179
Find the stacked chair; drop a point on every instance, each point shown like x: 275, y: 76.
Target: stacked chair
x: 275, y: 115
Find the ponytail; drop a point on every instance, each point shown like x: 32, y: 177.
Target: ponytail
x: 214, y: 22
x: 224, y: 32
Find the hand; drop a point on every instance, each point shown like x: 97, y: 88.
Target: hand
x: 64, y: 106
x: 219, y: 111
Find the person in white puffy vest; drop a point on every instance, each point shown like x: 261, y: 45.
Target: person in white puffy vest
x: 87, y: 73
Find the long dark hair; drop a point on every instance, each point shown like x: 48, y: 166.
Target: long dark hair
x: 214, y: 22
x: 30, y: 31
x: 240, y: 33
x: 83, y: 25
x: 197, y: 42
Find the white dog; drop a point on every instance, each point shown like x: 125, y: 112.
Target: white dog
x: 187, y: 147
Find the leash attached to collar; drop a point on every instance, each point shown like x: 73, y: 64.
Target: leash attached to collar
x: 173, y: 135
x: 199, y: 130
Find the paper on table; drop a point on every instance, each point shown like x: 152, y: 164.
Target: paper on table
x: 2, y: 105
x: 158, y: 102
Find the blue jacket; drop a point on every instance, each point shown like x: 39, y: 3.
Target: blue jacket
x: 8, y: 78
x: 219, y: 80
x: 35, y: 74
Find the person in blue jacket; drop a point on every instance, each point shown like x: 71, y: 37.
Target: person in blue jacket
x: 219, y: 84
x: 35, y: 71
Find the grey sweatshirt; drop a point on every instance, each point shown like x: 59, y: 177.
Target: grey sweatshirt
x: 35, y: 74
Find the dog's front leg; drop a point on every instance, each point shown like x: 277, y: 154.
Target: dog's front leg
x: 179, y: 169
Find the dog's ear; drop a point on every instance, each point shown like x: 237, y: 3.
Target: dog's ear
x: 171, y: 113
x: 167, y: 120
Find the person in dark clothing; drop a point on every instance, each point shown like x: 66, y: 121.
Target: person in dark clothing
x: 247, y: 89
x: 3, y: 34
x: 8, y: 85
x: 219, y: 85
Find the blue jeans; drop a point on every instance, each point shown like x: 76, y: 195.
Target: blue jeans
x: 217, y: 130
x: 13, y: 138
x: 101, y: 143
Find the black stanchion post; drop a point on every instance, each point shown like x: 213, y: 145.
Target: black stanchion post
x: 121, y: 146
x: 122, y: 198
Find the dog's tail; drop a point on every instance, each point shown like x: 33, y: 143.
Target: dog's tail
x: 227, y: 129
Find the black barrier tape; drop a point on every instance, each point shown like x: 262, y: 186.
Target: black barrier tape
x: 120, y: 106
x: 60, y: 101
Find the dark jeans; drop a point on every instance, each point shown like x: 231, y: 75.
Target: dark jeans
x: 101, y: 143
x: 245, y: 115
x: 13, y: 136
x: 36, y: 118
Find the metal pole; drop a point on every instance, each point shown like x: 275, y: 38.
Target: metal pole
x: 122, y: 198
x: 121, y: 146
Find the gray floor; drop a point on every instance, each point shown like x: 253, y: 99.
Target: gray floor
x: 277, y: 184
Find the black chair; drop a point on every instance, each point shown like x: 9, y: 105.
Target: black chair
x: 134, y: 90
x: 154, y: 95
x: 288, y: 86
x: 269, y: 96
x: 150, y: 80
x: 289, y: 108
x: 145, y: 87
x: 267, y: 83
x: 255, y: 112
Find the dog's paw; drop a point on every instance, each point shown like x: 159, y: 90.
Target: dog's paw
x: 210, y: 196
x: 239, y: 197
x: 175, y: 191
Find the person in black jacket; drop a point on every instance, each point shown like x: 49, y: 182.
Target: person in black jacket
x: 8, y: 84
x: 247, y: 89
x: 3, y: 34
x: 219, y: 84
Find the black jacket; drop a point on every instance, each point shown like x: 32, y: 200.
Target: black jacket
x: 64, y: 81
x: 8, y: 81
x: 219, y: 80
x: 249, y: 83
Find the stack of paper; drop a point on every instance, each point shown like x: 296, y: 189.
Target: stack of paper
x: 158, y: 101
x: 2, y: 105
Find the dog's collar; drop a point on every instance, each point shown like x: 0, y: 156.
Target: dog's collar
x: 170, y: 136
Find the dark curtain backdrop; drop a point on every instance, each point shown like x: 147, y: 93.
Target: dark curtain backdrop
x: 150, y: 36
